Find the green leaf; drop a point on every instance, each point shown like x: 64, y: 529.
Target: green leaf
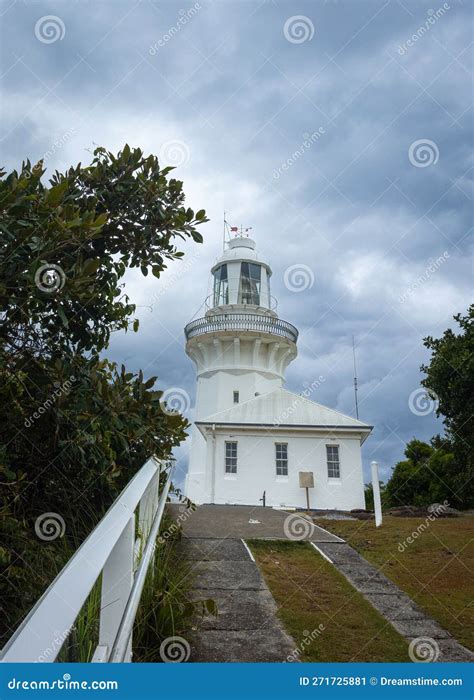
x: 63, y: 316
x: 211, y: 606
x: 91, y: 266
x: 56, y: 193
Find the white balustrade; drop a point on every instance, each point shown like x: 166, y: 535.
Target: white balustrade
x: 110, y: 549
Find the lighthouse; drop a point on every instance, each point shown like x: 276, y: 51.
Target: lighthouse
x: 252, y: 439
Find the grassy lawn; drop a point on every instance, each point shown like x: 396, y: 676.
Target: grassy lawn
x: 436, y: 569
x: 310, y: 592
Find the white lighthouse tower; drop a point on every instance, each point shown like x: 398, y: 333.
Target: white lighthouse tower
x: 251, y: 435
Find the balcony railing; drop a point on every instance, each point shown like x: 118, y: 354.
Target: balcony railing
x: 241, y: 322
x: 211, y: 302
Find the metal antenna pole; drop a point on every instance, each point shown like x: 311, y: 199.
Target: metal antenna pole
x: 355, y: 379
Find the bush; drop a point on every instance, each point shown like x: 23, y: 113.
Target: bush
x: 74, y: 426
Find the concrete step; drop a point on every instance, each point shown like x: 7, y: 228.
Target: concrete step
x: 246, y: 627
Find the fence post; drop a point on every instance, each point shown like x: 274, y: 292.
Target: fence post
x: 117, y: 580
x: 148, y: 505
x: 376, y: 491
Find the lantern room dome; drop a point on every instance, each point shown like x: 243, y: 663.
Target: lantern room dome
x: 241, y: 248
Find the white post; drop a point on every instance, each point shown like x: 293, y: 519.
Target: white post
x: 148, y: 505
x: 117, y: 580
x: 376, y: 491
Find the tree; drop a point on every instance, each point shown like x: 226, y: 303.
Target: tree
x: 65, y: 247
x: 430, y: 474
x: 444, y: 469
x: 450, y: 378
x: 74, y: 426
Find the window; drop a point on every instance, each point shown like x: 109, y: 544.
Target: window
x: 231, y: 458
x: 236, y: 397
x: 281, y: 455
x: 221, y: 286
x: 332, y: 452
x: 249, y: 286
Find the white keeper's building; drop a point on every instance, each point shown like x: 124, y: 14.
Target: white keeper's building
x: 251, y: 435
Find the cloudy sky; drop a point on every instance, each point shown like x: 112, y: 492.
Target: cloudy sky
x: 338, y: 130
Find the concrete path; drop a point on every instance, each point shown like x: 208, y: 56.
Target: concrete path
x: 219, y: 522
x: 393, y: 604
x: 246, y: 627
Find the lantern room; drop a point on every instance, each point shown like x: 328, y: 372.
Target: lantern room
x: 240, y: 278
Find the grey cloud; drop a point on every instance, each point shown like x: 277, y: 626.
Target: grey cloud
x: 243, y: 99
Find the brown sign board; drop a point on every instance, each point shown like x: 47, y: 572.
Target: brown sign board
x: 306, y: 480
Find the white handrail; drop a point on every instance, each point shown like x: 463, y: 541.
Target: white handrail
x: 54, y: 614
x: 121, y: 643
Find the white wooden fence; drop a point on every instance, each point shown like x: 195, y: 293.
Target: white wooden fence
x: 111, y: 549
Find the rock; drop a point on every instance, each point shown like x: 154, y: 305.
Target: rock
x: 361, y: 510
x: 407, y: 512
x: 441, y: 510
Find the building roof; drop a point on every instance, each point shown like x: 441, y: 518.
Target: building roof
x: 282, y: 408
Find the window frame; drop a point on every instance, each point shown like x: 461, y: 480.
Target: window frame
x: 281, y: 463
x: 230, y: 460
x: 333, y: 465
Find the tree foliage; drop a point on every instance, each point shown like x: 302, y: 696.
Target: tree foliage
x: 74, y: 426
x: 428, y: 475
x: 443, y: 470
x: 93, y: 223
x: 450, y: 376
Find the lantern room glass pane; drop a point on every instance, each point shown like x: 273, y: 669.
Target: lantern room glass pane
x: 250, y: 282
x: 221, y: 286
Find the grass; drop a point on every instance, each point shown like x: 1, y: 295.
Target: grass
x: 436, y: 569
x: 309, y: 593
x: 164, y: 610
